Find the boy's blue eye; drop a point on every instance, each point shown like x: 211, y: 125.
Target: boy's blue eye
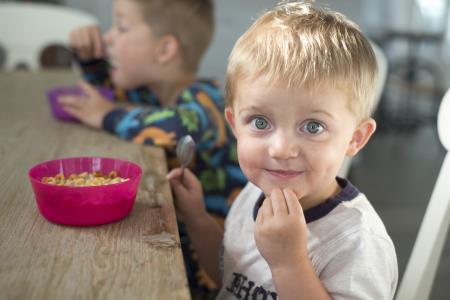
x: 260, y: 123
x: 313, y: 127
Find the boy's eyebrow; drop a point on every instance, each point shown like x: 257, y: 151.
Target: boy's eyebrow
x: 323, y: 112
x: 258, y: 109
x: 251, y: 108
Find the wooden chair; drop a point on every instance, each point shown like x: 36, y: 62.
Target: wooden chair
x: 27, y: 30
x: 422, y: 265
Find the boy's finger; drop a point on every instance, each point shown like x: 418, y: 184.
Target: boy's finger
x: 278, y: 203
x: 85, y: 43
x: 266, y: 208
x: 178, y: 187
x: 174, y: 173
x: 292, y: 202
x: 98, y: 43
x: 74, y: 101
x: 189, y: 179
x: 66, y: 100
x: 188, y: 183
x: 174, y: 177
x: 74, y: 42
x: 259, y: 217
x: 88, y: 88
x: 73, y: 111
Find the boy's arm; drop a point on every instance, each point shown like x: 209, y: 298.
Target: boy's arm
x: 206, y: 237
x: 149, y: 125
x: 164, y: 126
x: 205, y: 234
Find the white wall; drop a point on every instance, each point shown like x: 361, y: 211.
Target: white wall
x: 234, y: 16
x: 102, y: 9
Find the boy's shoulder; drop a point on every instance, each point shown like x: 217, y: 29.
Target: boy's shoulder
x: 351, y: 226
x: 351, y: 245
x: 205, y: 93
x: 350, y: 218
x: 210, y: 87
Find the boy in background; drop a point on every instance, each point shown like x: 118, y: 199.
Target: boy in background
x: 300, y: 86
x: 151, y: 56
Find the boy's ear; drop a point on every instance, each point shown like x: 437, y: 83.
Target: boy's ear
x: 361, y: 136
x: 167, y: 49
x: 230, y: 118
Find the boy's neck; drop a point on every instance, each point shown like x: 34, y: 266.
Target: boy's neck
x: 331, y: 191
x: 168, y: 91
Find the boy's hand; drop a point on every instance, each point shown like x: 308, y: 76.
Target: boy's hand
x: 280, y: 229
x: 90, y: 109
x: 87, y: 41
x: 188, y: 195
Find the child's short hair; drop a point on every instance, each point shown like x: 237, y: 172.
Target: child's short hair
x: 190, y: 21
x: 299, y: 45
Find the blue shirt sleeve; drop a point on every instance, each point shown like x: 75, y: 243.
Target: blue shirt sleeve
x: 197, y: 113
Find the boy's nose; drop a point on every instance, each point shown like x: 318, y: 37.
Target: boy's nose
x: 284, y: 147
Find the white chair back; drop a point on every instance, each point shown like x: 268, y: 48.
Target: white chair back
x: 444, y: 121
x: 26, y: 28
x: 421, y: 269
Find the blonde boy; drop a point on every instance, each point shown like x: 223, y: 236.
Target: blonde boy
x: 300, y: 85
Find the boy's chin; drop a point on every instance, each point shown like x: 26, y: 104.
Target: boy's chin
x: 268, y: 188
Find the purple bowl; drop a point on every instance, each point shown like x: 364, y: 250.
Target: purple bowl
x: 86, y: 205
x: 54, y: 94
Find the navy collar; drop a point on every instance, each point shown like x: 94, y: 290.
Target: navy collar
x: 349, y: 192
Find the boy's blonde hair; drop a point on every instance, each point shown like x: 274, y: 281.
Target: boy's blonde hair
x: 302, y: 46
x: 190, y: 21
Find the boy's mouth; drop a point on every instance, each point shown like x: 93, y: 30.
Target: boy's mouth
x: 285, y: 174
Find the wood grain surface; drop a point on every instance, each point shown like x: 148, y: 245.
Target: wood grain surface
x: 138, y: 257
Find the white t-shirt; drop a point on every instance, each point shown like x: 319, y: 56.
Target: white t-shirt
x: 347, y: 243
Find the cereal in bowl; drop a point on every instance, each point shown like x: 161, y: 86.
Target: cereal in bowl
x: 95, y: 178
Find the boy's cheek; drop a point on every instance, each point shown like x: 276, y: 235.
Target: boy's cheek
x: 250, y: 152
x: 251, y: 160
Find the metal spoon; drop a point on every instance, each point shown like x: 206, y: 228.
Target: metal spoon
x: 185, y: 151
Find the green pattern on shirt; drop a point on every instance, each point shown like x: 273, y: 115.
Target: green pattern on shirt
x: 159, y: 115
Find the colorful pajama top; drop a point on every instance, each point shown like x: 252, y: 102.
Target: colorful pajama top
x: 198, y: 112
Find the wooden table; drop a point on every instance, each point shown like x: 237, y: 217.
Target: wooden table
x: 138, y: 257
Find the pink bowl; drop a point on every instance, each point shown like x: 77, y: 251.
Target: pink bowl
x: 54, y: 94
x: 90, y: 205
